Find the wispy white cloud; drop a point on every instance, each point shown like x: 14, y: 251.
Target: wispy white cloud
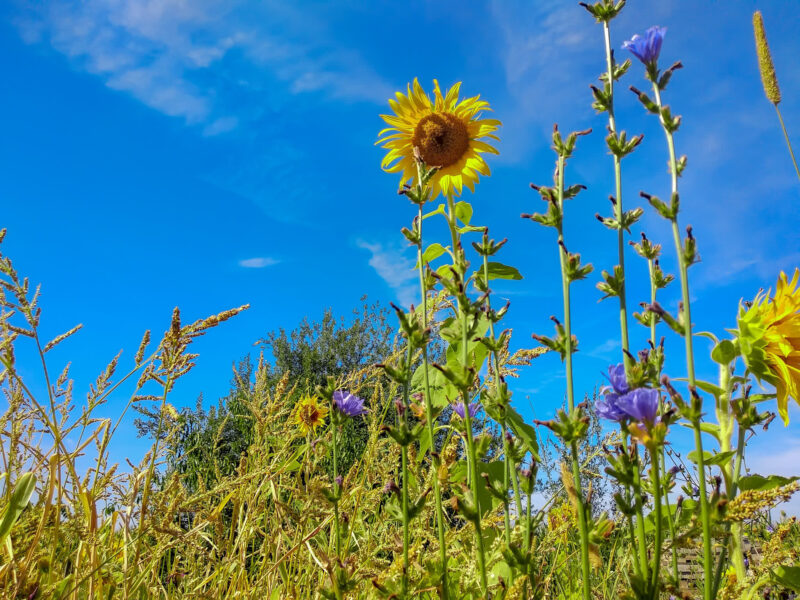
x: 605, y: 349
x: 258, y: 262
x: 544, y: 55
x: 395, y: 268
x: 195, y: 59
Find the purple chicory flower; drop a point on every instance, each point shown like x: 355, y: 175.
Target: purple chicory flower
x: 640, y: 404
x: 348, y: 404
x: 616, y: 377
x: 339, y: 481
x: 458, y: 408
x: 646, y: 48
x: 607, y: 407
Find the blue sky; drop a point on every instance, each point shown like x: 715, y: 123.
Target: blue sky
x: 209, y: 154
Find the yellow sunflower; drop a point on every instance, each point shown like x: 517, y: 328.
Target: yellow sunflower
x: 309, y: 414
x: 447, y: 132
x: 769, y: 337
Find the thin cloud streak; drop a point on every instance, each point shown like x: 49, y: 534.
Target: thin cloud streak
x: 197, y: 60
x: 258, y: 262
x: 396, y: 269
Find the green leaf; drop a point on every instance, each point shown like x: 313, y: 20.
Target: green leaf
x: 761, y: 483
x: 709, y: 428
x: 707, y: 387
x: 431, y: 253
x: 500, y: 271
x: 470, y: 229
x: 650, y: 520
x: 720, y: 458
x: 725, y: 352
x: 501, y: 569
x: 439, y: 211
x: 707, y: 334
x: 761, y: 397
x: 788, y: 577
x: 20, y: 497
x: 442, y: 391
x: 523, y: 431
x: 464, y: 211
x: 496, y: 471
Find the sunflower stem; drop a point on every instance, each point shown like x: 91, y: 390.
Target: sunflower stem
x: 404, y: 454
x: 437, y: 492
x: 459, y: 260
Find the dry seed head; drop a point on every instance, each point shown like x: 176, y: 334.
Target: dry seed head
x: 748, y: 503
x: 765, y: 64
x: 142, y: 347
x: 54, y: 342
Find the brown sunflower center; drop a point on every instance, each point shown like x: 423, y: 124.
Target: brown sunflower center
x: 442, y: 139
x: 309, y: 415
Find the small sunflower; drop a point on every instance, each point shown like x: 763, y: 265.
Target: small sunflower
x: 769, y: 337
x: 447, y: 132
x: 309, y: 414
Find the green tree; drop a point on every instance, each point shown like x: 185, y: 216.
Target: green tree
x: 209, y: 443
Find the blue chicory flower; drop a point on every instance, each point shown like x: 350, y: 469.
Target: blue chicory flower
x: 616, y: 377
x: 607, y: 407
x: 640, y: 404
x: 646, y: 48
x: 348, y: 404
x: 458, y: 408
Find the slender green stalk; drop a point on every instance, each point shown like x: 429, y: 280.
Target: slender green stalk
x: 406, y: 485
x: 687, y: 324
x: 737, y: 543
x: 576, y: 470
x: 623, y: 305
x: 656, y: 565
x: 612, y: 127
x: 437, y: 492
x: 651, y: 269
x: 517, y: 496
x: 640, y: 532
x: 151, y: 469
x: 637, y: 568
x: 506, y: 444
x: 337, y: 491
x: 788, y: 142
x: 506, y: 485
x: 472, y: 458
x: 528, y: 537
x: 338, y: 542
x: 735, y: 529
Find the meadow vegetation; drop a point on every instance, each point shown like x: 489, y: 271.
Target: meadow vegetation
x: 356, y: 459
